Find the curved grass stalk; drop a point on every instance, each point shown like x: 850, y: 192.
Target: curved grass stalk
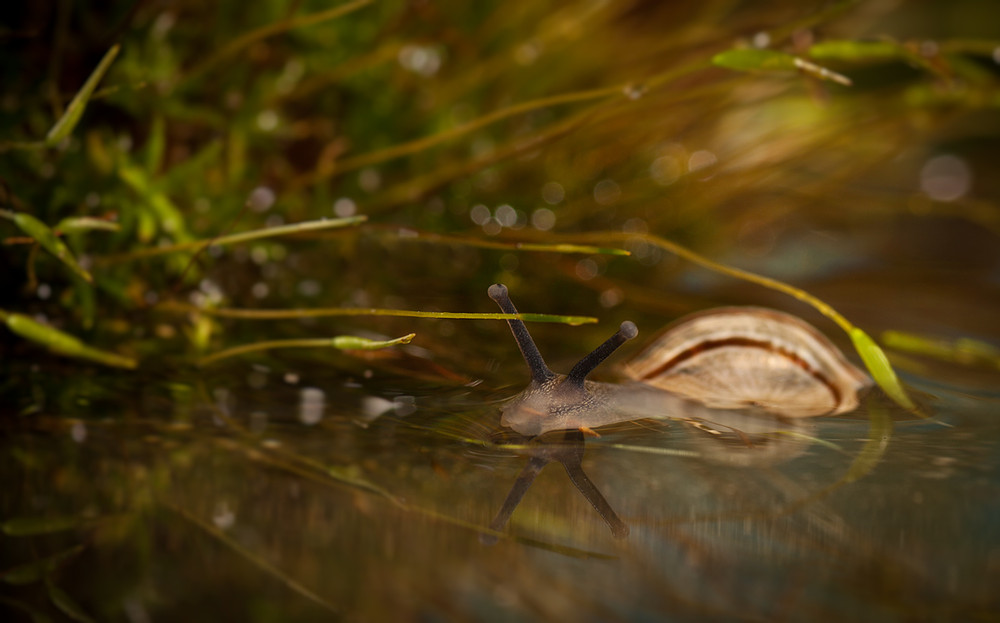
x: 275, y: 28
x: 257, y: 234
x: 420, y: 144
x: 615, y: 92
x: 420, y: 186
x: 484, y: 243
x: 340, y: 342
x: 872, y: 355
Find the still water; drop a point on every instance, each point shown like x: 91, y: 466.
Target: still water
x: 281, y: 490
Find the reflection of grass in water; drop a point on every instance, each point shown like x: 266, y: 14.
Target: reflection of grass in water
x: 409, y: 116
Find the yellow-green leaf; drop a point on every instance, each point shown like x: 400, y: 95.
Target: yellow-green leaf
x: 50, y: 242
x: 64, y: 126
x: 60, y: 342
x: 880, y: 368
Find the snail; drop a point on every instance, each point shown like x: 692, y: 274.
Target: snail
x: 738, y: 368
x: 745, y: 358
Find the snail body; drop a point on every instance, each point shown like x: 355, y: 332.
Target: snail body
x: 735, y: 358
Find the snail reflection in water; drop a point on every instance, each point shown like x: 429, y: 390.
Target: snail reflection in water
x: 742, y: 362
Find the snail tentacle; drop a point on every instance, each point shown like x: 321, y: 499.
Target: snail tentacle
x: 540, y: 372
x: 585, y: 366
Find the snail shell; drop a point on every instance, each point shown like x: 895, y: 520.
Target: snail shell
x: 744, y: 357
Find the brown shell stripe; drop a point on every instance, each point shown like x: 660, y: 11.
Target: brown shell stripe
x: 707, y: 345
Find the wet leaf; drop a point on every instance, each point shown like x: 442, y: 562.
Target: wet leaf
x: 60, y: 342
x: 880, y: 368
x: 64, y: 126
x: 67, y: 604
x: 30, y: 526
x: 37, y: 570
x: 44, y: 236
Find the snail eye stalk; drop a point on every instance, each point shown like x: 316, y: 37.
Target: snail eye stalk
x: 540, y: 372
x: 585, y: 366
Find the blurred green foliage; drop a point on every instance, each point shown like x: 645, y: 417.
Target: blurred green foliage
x: 141, y: 125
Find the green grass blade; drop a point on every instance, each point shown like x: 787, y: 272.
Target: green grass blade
x: 257, y: 234
x: 287, y: 314
x: 85, y: 223
x: 340, y: 342
x: 168, y: 216
x: 64, y: 126
x: 752, y: 59
x: 270, y: 30
x: 965, y: 351
x: 855, y: 50
x: 44, y: 236
x: 293, y: 228
x: 60, y: 342
x: 471, y: 241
